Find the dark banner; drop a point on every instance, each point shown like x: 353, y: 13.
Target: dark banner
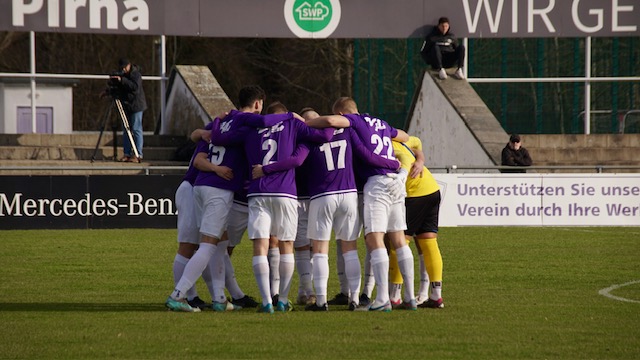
x: 88, y: 202
x: 325, y: 18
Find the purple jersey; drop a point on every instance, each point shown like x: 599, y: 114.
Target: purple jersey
x: 225, y: 149
x: 277, y: 143
x: 376, y: 136
x: 298, y: 162
x: 192, y: 171
x: 331, y: 164
x: 201, y: 146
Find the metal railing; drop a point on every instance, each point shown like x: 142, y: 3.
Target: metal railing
x: 621, y: 123
x: 450, y: 169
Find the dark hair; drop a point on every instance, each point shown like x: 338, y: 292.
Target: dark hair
x: 122, y: 62
x: 443, y: 20
x: 514, y: 138
x: 249, y: 94
x: 276, y: 107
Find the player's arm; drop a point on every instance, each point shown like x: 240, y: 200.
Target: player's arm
x: 222, y: 135
x: 401, y: 136
x: 261, y: 121
x: 364, y: 154
x: 336, y: 121
x: 202, y: 163
x: 319, y: 136
x: 418, y: 165
x: 204, y: 134
x: 296, y: 159
x: 200, y: 134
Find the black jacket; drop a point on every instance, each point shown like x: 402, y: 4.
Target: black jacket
x: 129, y: 90
x: 511, y: 157
x: 447, y: 42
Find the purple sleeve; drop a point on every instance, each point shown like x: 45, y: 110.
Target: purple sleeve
x: 261, y: 121
x: 296, y: 159
x: 363, y: 153
x: 226, y: 138
x: 310, y: 134
x: 393, y: 132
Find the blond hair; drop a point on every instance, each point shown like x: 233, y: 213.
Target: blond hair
x: 345, y: 105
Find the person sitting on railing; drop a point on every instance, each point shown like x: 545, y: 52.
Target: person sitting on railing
x: 514, y: 154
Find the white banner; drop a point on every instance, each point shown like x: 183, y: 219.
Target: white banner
x: 539, y: 199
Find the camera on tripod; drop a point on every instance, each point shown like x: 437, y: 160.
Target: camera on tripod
x: 113, y: 84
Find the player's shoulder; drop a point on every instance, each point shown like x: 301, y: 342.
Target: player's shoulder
x: 414, y: 142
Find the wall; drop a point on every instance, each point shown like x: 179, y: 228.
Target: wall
x: 59, y: 97
x: 446, y: 139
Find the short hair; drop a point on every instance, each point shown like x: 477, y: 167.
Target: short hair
x: 276, y: 107
x: 122, y: 62
x: 443, y: 20
x: 305, y: 112
x: 345, y: 105
x: 249, y: 94
x: 306, y: 109
x: 514, y: 138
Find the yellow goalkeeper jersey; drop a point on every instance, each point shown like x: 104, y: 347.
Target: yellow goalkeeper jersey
x: 422, y: 185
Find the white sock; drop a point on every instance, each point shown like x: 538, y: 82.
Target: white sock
x: 193, y: 270
x: 208, y: 279
x: 395, y: 290
x: 380, y: 265
x: 303, y: 265
x: 218, y: 270
x: 352, y: 272
x: 369, y: 280
x: 320, y: 277
x: 287, y: 267
x: 342, y: 277
x: 273, y: 256
x: 261, y: 273
x: 436, y: 290
x: 405, y: 263
x: 424, y: 280
x: 179, y: 262
x: 230, y: 281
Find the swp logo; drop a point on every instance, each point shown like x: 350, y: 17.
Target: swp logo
x: 312, y: 18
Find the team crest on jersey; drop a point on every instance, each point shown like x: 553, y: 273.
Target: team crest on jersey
x: 375, y: 123
x: 225, y: 126
x: 266, y: 132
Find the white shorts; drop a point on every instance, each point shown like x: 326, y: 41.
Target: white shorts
x: 338, y: 212
x: 277, y: 216
x: 237, y: 223
x: 382, y: 213
x: 303, y: 218
x: 212, y: 209
x: 187, y: 223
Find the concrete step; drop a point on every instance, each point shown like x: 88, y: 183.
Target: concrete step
x: 58, y: 152
x: 80, y: 167
x: 88, y: 139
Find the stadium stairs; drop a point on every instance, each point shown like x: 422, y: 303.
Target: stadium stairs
x: 194, y: 97
x: 76, y: 150
x: 457, y: 128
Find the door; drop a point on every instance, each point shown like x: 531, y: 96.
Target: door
x: 44, y: 120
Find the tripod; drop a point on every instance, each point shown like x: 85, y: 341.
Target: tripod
x: 125, y: 123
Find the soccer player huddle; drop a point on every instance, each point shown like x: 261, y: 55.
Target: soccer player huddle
x: 291, y: 180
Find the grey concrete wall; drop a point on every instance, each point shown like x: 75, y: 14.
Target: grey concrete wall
x: 195, y: 98
x: 446, y: 138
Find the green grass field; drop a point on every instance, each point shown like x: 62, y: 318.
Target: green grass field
x: 510, y: 293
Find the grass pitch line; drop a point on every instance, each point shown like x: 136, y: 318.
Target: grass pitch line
x: 606, y: 292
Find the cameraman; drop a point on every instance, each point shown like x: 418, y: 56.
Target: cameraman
x: 126, y: 85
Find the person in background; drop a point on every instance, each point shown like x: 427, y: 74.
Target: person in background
x: 127, y: 87
x: 441, y: 50
x: 514, y: 154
